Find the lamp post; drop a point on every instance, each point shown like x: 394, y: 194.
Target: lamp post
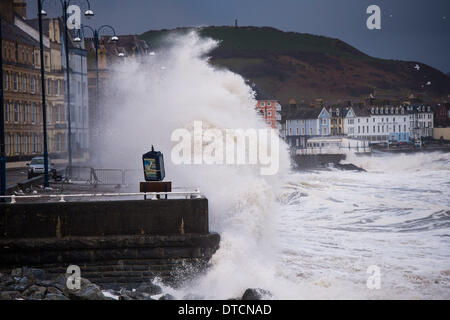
x: 96, y: 33
x: 2, y: 124
x: 88, y: 13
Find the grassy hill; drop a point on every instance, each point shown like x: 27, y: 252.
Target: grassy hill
x: 288, y: 65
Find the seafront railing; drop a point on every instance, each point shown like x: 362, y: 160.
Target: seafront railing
x: 193, y: 194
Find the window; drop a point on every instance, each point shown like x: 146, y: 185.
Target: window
x: 6, y: 81
x: 310, y: 131
x: 16, y: 82
x: 25, y: 113
x: 57, y: 87
x: 404, y: 128
x: 24, y: 83
x: 57, y: 114
x: 296, y: 131
x: 16, y: 143
x: 303, y: 131
x: 269, y: 113
x: 8, y: 110
x: 262, y: 104
x: 34, y: 148
x: 16, y: 112
x: 268, y: 103
x: 49, y: 84
x: 25, y: 144
x: 33, y: 113
x: 8, y: 144
x: 49, y: 113
x: 33, y: 85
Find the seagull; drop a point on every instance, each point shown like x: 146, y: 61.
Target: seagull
x: 417, y: 67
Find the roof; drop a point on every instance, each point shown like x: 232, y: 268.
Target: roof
x: 14, y: 33
x: 342, y: 111
x: 360, y: 111
x: 305, y: 113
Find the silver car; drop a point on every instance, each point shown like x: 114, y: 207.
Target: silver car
x: 36, y: 167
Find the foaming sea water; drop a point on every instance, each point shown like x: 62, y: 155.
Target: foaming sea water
x: 300, y: 235
x: 335, y: 224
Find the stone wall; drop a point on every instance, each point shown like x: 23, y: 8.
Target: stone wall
x: 115, y: 243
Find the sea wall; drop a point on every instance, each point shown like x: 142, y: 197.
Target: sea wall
x: 115, y: 243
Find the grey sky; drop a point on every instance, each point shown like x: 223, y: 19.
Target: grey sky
x: 416, y: 30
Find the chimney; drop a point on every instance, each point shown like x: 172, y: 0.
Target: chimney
x: 20, y: 8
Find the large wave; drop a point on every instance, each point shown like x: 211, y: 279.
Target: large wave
x: 155, y: 95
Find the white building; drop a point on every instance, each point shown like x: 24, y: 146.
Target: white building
x: 380, y: 124
x: 421, y: 121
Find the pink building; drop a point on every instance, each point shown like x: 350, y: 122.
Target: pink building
x: 269, y: 109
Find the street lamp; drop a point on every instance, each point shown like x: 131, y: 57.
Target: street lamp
x: 2, y: 124
x: 88, y: 13
x: 96, y: 34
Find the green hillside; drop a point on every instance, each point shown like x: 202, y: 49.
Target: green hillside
x: 288, y: 65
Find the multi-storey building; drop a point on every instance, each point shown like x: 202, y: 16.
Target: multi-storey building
x: 421, y: 121
x: 271, y: 110
x: 22, y: 99
x: 305, y: 123
x: 337, y: 118
x: 378, y: 124
x: 54, y: 84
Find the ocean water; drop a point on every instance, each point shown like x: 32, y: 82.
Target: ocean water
x: 300, y: 235
x: 335, y: 224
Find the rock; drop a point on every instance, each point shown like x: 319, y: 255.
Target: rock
x: 35, y: 292
x: 191, y: 296
x: 55, y: 296
x: 349, y: 166
x: 255, y: 294
x: 125, y: 297
x: 88, y: 291
x: 140, y: 295
x: 53, y: 290
x: 150, y: 288
x: 21, y: 284
x: 9, y: 295
x: 16, y: 272
x: 33, y: 273
x: 167, y: 297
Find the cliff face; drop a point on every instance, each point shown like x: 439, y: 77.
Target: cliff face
x: 303, y: 66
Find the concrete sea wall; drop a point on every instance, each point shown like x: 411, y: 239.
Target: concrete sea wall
x: 115, y: 243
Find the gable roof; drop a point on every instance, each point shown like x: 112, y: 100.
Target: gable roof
x: 306, y: 113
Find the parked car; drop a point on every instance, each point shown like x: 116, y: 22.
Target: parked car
x: 36, y: 167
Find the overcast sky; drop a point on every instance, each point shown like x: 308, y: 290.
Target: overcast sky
x: 417, y: 30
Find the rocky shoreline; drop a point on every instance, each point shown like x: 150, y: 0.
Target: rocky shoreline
x: 34, y: 284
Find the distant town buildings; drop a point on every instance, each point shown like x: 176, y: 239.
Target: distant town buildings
x: 372, y: 123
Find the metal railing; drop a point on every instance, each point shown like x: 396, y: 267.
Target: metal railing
x: 146, y: 195
x: 99, y: 176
